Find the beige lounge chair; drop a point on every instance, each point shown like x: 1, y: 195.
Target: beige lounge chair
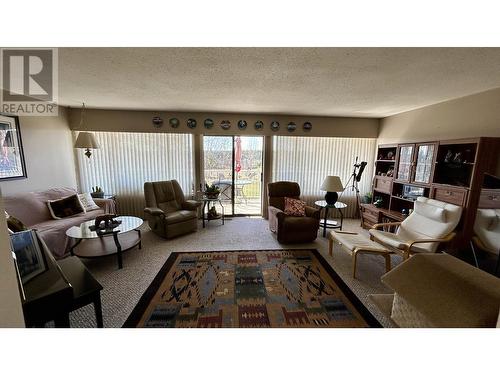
x: 431, y: 223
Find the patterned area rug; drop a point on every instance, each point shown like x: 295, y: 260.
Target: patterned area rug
x: 258, y: 288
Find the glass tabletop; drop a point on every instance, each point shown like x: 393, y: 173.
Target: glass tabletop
x: 339, y: 205
x: 83, y: 231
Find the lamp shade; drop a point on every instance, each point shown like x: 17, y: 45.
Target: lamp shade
x: 332, y: 183
x: 86, y: 140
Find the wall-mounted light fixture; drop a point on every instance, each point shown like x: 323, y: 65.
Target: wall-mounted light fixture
x: 85, y: 139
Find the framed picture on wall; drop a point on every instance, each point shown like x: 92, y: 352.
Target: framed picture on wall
x: 12, y: 164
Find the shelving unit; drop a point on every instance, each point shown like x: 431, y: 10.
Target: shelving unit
x: 449, y: 170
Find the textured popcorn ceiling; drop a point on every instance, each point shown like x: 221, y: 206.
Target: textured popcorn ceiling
x: 360, y: 82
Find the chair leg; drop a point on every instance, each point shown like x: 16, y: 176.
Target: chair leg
x: 354, y: 263
x: 474, y: 254
x: 387, y: 262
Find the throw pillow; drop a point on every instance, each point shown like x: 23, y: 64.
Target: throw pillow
x: 14, y: 224
x: 65, y: 207
x: 295, y: 207
x: 87, y: 202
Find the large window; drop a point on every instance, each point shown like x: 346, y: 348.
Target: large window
x: 125, y: 161
x: 307, y: 160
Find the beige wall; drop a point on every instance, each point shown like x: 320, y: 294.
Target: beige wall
x: 48, y: 151
x: 470, y: 116
x: 11, y: 314
x: 140, y: 121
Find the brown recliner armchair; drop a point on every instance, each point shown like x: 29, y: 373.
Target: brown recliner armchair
x: 290, y: 229
x: 168, y: 212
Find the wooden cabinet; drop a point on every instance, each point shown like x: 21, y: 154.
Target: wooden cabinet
x: 489, y: 198
x: 450, y: 171
x: 369, y: 215
x: 382, y: 184
x: 453, y: 195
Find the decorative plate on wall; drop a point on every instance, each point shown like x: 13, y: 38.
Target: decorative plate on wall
x: 191, y: 123
x: 259, y: 125
x: 307, y: 126
x: 291, y: 127
x: 242, y: 124
x: 225, y: 124
x: 174, y: 122
x: 208, y: 123
x: 275, y: 125
x: 157, y: 122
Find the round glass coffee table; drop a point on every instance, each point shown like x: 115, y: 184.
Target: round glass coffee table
x: 124, y: 237
x: 330, y: 224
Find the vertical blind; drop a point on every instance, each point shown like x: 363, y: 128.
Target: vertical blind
x: 125, y: 161
x: 308, y: 160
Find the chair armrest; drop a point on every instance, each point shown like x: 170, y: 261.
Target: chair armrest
x: 312, y: 212
x: 191, y: 205
x: 273, y: 210
x: 448, y: 238
x: 154, y: 211
x: 383, y: 225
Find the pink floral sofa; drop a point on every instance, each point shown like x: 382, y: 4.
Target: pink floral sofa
x: 31, y: 208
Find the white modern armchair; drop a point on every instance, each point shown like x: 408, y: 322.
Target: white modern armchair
x: 432, y: 222
x: 487, y: 233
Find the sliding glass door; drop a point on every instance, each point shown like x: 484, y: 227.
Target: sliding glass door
x: 234, y: 164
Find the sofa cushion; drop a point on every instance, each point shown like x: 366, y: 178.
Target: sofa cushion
x: 87, y: 202
x: 27, y: 207
x: 294, y: 207
x: 180, y: 216
x: 65, y: 207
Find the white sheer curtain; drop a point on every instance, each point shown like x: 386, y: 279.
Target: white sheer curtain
x: 125, y: 161
x: 307, y: 160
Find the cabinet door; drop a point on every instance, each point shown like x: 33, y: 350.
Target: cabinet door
x: 424, y: 162
x: 405, y: 162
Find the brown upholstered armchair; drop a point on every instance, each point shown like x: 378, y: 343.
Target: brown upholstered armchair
x: 290, y: 229
x: 168, y: 212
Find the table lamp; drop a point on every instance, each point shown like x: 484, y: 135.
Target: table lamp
x: 332, y: 185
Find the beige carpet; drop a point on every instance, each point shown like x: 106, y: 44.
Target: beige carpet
x: 123, y: 288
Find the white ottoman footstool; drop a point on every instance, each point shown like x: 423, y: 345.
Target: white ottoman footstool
x: 358, y: 244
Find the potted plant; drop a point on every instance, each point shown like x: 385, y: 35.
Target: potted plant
x: 97, y: 192
x: 367, y: 198
x: 212, y: 191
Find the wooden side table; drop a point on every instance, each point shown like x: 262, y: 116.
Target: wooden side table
x: 65, y: 286
x: 86, y: 289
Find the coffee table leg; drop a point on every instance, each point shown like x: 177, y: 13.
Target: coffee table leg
x: 140, y: 237
x: 118, y: 250
x: 98, y: 311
